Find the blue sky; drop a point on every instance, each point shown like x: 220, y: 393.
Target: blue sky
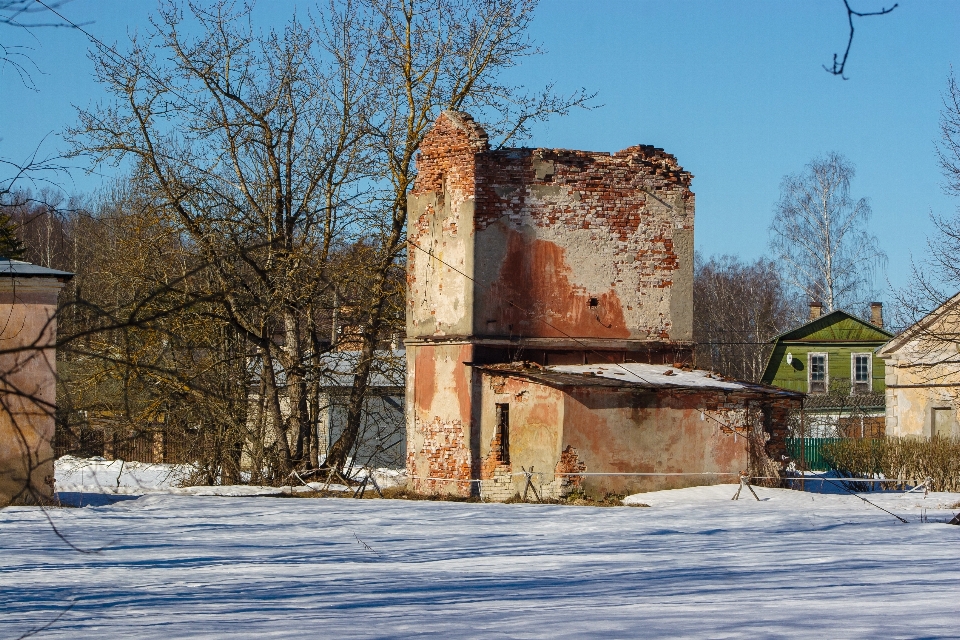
x: 735, y: 90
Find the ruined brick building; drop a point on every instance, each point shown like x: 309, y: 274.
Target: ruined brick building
x: 549, y: 325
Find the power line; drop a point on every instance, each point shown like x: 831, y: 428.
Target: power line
x: 117, y: 57
x: 530, y: 313
x: 77, y: 27
x: 430, y: 253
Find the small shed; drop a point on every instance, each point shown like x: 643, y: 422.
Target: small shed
x: 28, y: 379
x: 622, y: 428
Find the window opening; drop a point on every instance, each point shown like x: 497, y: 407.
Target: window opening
x: 818, y: 373
x: 861, y: 372
x: 503, y: 432
x: 942, y: 422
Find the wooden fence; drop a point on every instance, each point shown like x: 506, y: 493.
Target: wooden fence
x: 138, y: 445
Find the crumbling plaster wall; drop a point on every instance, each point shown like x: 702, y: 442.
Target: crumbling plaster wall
x: 516, y: 244
x: 439, y: 410
x: 616, y: 431
x: 542, y: 232
x: 558, y: 433
x: 555, y: 228
x: 536, y: 430
x: 440, y: 214
x: 28, y: 382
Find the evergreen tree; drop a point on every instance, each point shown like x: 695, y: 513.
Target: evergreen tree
x: 10, y: 245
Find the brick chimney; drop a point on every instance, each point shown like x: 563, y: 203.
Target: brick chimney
x: 876, y: 314
x: 816, y: 310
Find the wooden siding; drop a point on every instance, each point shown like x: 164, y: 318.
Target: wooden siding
x: 838, y: 335
x: 837, y: 327
x: 794, y: 376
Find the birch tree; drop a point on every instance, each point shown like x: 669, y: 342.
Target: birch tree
x: 820, y: 236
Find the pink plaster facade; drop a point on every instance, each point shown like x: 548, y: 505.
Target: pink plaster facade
x: 27, y: 387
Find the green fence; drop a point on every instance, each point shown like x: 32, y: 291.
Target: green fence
x: 812, y: 451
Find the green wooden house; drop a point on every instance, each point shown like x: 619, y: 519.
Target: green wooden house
x: 833, y: 359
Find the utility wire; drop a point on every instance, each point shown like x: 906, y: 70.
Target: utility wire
x: 117, y: 57
x: 530, y: 313
x: 412, y: 243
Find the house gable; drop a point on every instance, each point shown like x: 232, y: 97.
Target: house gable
x: 837, y: 335
x: 837, y: 326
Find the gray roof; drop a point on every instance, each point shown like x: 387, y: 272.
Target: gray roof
x: 649, y: 377
x: 20, y: 269
x: 389, y: 370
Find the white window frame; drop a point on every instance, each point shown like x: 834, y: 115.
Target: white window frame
x: 853, y: 371
x: 826, y: 371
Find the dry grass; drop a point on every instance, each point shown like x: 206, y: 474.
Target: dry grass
x: 401, y: 493
x: 909, y: 459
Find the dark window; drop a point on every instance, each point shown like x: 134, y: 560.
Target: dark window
x: 818, y: 373
x: 861, y: 372
x: 503, y: 432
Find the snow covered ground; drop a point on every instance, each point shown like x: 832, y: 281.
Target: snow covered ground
x: 95, y: 481
x: 693, y: 565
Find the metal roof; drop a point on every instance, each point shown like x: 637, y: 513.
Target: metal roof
x: 20, y: 269
x: 637, y: 376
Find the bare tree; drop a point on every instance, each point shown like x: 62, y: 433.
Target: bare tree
x: 26, y: 15
x: 433, y: 55
x: 253, y: 148
x: 935, y: 278
x: 819, y: 235
x: 280, y: 164
x: 838, y: 66
x: 737, y: 308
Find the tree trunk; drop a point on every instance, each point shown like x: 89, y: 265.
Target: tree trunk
x: 273, y: 399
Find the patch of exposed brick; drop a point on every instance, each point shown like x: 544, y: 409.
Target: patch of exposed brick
x: 570, y: 463
x: 447, y: 455
x: 495, y: 459
x: 631, y: 202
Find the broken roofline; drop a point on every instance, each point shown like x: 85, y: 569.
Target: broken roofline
x: 655, y: 157
x: 561, y: 380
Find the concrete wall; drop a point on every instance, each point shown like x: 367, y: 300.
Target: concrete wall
x: 921, y: 377
x: 381, y: 441
x: 27, y: 387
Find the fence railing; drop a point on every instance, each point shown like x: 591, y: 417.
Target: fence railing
x: 810, y: 450
x: 137, y: 445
